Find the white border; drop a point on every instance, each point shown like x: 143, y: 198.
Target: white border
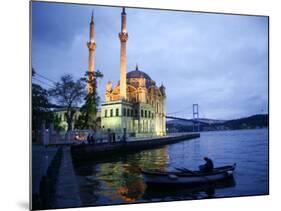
x: 14, y: 83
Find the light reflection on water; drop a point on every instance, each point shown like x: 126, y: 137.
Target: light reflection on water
x: 118, y: 179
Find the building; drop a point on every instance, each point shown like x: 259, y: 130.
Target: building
x: 60, y: 117
x: 142, y: 112
x: 135, y: 103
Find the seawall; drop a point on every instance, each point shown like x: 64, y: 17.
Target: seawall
x: 91, y: 151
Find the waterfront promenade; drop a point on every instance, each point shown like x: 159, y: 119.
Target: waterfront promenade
x: 67, y: 192
x: 53, y: 178
x: 100, y: 150
x: 41, y: 160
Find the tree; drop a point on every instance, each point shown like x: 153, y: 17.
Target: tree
x: 68, y: 93
x: 40, y: 106
x: 88, y: 117
x: 58, y: 123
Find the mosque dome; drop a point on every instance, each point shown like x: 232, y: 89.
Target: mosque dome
x: 138, y: 74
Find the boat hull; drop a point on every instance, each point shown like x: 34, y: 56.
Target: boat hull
x: 185, y: 190
x: 178, y: 178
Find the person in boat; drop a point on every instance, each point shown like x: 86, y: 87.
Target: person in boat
x: 208, y: 166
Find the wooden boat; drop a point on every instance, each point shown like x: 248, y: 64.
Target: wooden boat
x: 183, y: 191
x: 184, y: 176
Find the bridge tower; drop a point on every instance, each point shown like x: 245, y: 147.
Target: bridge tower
x: 196, y: 123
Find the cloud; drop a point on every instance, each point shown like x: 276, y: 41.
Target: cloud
x: 219, y: 61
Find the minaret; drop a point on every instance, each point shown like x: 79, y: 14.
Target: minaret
x: 91, y: 62
x: 123, y: 36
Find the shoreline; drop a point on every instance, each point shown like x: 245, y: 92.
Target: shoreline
x: 91, y: 151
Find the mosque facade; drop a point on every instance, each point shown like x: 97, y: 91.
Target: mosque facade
x: 136, y: 102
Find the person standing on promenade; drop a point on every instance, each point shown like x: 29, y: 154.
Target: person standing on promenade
x: 124, y: 138
x: 109, y: 135
x: 93, y: 138
x: 89, y: 138
x: 113, y: 137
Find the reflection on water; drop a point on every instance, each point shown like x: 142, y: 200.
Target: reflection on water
x: 118, y: 180
x: 183, y: 192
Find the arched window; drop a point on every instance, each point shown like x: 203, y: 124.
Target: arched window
x: 157, y: 109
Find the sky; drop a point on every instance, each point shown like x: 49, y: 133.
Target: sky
x: 218, y: 61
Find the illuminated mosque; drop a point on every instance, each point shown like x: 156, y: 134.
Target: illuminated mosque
x: 136, y: 102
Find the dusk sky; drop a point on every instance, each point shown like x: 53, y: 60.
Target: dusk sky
x: 218, y: 61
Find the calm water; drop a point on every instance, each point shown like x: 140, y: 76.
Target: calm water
x: 117, y: 179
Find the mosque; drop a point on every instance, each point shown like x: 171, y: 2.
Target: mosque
x: 136, y: 102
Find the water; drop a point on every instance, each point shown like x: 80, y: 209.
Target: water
x: 117, y: 180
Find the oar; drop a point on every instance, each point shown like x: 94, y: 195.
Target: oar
x: 192, y: 172
x: 182, y: 170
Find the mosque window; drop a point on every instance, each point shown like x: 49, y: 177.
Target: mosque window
x: 124, y: 112
x: 105, y: 113
x: 117, y: 112
x: 145, y: 113
x: 157, y: 107
x: 111, y: 112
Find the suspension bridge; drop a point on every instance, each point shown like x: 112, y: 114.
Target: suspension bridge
x: 184, y: 115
